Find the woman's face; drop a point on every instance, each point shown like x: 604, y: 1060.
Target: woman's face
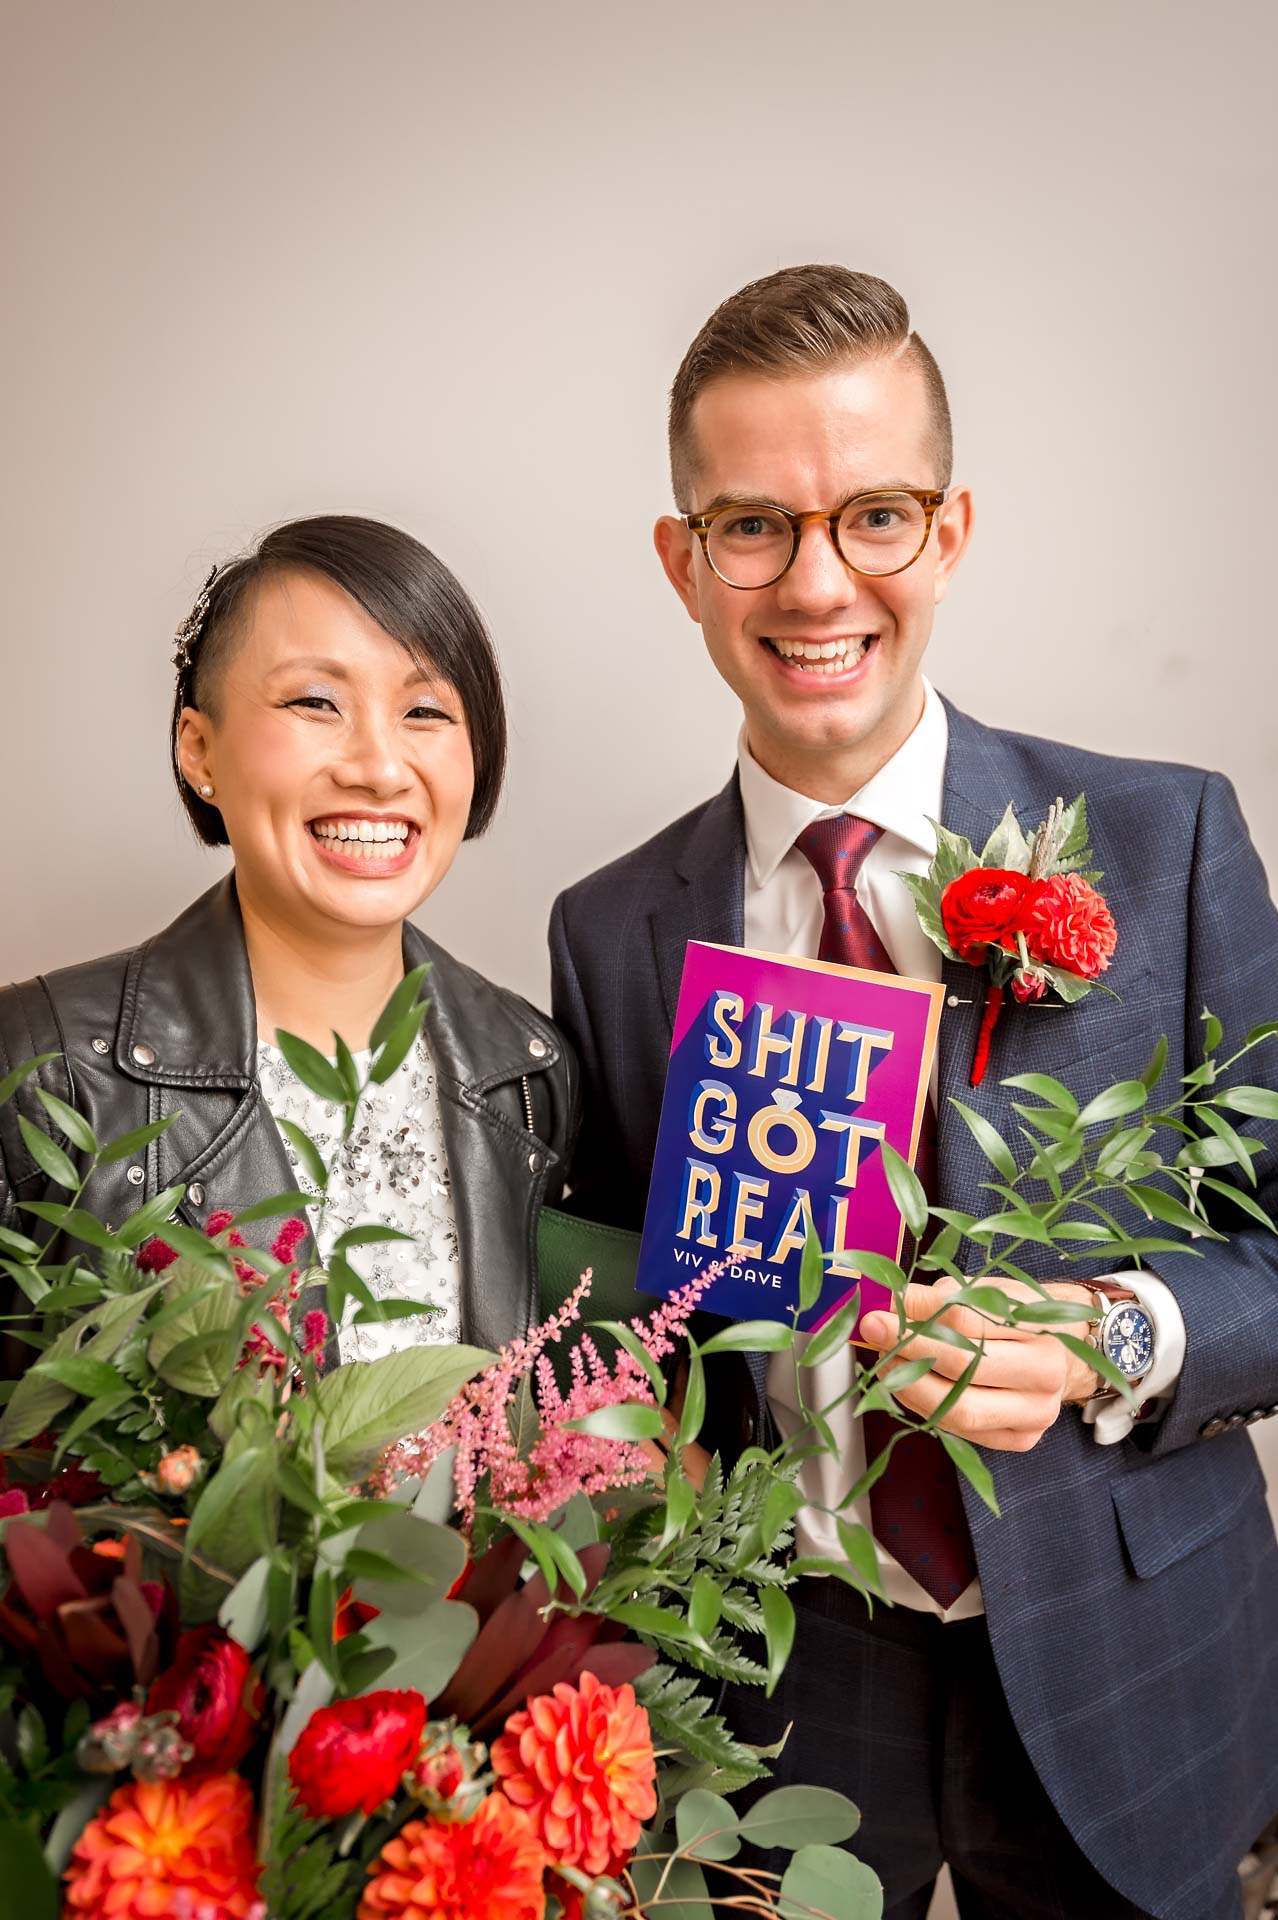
x: 343, y: 772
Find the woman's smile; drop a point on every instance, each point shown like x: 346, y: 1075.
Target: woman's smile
x: 369, y: 846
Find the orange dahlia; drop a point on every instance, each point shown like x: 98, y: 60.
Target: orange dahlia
x: 488, y: 1868
x: 165, y: 1847
x: 580, y: 1760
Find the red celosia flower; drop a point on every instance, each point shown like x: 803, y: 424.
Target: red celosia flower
x: 217, y: 1697
x: 354, y: 1753
x: 289, y: 1239
x: 1070, y: 925
x: 153, y: 1256
x: 14, y: 1501
x: 488, y: 1868
x: 164, y: 1847
x: 985, y: 907
x: 580, y: 1760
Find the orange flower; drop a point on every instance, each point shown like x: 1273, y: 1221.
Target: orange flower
x: 168, y: 1847
x: 581, y: 1761
x: 486, y: 1868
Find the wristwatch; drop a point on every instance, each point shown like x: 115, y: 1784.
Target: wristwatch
x: 1121, y: 1329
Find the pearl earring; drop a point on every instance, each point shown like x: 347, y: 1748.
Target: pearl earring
x: 206, y: 793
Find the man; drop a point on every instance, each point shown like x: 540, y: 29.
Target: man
x: 1076, y: 1704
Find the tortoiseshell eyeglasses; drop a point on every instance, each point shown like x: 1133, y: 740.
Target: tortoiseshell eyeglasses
x: 876, y: 533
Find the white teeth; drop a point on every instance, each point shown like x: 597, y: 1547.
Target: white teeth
x: 364, y: 838
x: 828, y: 656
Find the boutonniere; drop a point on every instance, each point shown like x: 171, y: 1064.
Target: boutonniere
x: 1026, y: 910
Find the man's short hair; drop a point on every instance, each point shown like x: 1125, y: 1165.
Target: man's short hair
x: 801, y: 320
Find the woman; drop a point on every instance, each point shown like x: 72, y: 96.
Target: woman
x: 338, y: 723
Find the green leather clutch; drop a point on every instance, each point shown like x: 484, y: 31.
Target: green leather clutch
x: 566, y: 1246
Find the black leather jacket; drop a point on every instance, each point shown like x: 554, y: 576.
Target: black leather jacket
x: 171, y: 1028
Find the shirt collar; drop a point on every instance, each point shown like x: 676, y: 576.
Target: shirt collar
x: 903, y: 797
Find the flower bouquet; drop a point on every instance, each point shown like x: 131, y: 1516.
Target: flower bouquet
x: 433, y: 1634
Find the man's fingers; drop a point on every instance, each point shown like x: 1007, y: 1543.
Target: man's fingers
x: 991, y: 1416
x: 1015, y: 1364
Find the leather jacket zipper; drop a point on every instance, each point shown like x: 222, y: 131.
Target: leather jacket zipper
x: 528, y: 1105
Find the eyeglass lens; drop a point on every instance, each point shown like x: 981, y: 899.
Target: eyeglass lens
x: 751, y: 547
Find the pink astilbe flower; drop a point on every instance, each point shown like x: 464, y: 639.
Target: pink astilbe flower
x: 477, y: 1423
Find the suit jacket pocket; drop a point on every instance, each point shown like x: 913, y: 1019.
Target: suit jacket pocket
x: 1186, y: 1499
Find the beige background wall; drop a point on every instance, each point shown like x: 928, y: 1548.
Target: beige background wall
x: 438, y: 264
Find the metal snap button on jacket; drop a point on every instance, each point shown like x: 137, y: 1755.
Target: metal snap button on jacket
x: 142, y: 1054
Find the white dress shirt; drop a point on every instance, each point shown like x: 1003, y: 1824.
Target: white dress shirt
x: 784, y: 913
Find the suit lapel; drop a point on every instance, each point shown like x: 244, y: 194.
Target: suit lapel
x: 710, y: 903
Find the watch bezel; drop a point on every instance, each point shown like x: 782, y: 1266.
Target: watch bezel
x: 1114, y: 1308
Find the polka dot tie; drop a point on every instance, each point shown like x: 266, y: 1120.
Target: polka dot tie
x: 915, y: 1506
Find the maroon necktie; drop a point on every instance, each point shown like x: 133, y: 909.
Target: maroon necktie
x: 915, y: 1505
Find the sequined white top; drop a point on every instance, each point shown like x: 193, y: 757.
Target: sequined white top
x: 392, y: 1171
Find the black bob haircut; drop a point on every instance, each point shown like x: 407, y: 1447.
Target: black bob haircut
x: 402, y: 586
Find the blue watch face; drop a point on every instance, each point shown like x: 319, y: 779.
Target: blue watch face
x: 1128, y: 1340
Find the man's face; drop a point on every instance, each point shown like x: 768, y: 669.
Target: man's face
x: 808, y: 441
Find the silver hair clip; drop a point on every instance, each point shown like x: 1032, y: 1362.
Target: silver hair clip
x: 189, y: 631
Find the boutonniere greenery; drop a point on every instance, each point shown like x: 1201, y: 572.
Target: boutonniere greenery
x: 1027, y: 910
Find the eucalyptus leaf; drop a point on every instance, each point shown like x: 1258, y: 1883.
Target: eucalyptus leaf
x: 706, y: 1825
x: 428, y: 1646
x: 794, y: 1817
x: 830, y: 1882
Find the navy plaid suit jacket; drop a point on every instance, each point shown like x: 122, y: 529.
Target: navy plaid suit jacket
x: 1131, y: 1591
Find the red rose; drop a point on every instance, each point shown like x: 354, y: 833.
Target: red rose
x: 355, y: 1752
x: 986, y: 907
x: 216, y: 1696
x: 1070, y: 926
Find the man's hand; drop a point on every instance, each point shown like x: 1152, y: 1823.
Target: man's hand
x: 1022, y: 1379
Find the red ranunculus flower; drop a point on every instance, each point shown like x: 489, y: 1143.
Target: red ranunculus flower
x: 355, y: 1752
x: 216, y: 1695
x: 1069, y: 925
x: 986, y: 907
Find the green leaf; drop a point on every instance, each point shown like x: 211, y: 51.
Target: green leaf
x: 751, y: 1336
x: 1070, y: 986
x: 73, y: 1220
x: 244, y: 1614
x: 1261, y: 1102
x: 1212, y: 1031
x: 12, y: 1081
x: 1126, y: 1096
x: 811, y: 1271
x: 1157, y: 1061
x: 125, y: 1145
x: 794, y: 1817
x: 1240, y: 1150
x: 195, y: 1349
x: 345, y: 1062
x: 1117, y: 1154
x: 1265, y: 1031
x: 831, y: 1882
x: 1017, y: 1226
x: 152, y: 1218
x: 29, y: 1886
x: 858, y: 1544
x: 876, y: 1266
x: 626, y: 1337
x: 404, y: 997
x: 989, y: 1140
x: 306, y: 1150
x: 1007, y: 845
x: 48, y: 1156
x: 648, y: 1619
x: 955, y: 855
x: 68, y: 1121
x: 293, y: 1200
x: 707, y: 1826
x: 1042, y: 1084
x: 970, y: 1465
x: 683, y: 1889
x: 82, y: 1373
x: 631, y: 1421
x: 398, y: 1045
x: 311, y: 1068
x: 18, y: 1244
x: 1099, y: 1362
x: 428, y: 1646
x: 1163, y: 1207
x: 705, y: 1605
x: 779, y: 1508
x: 778, y: 1632
x: 694, y: 1397
x: 367, y: 1404
x: 1239, y: 1199
x: 906, y: 1189
x: 369, y: 1235
x: 231, y: 1523
x: 834, y: 1333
